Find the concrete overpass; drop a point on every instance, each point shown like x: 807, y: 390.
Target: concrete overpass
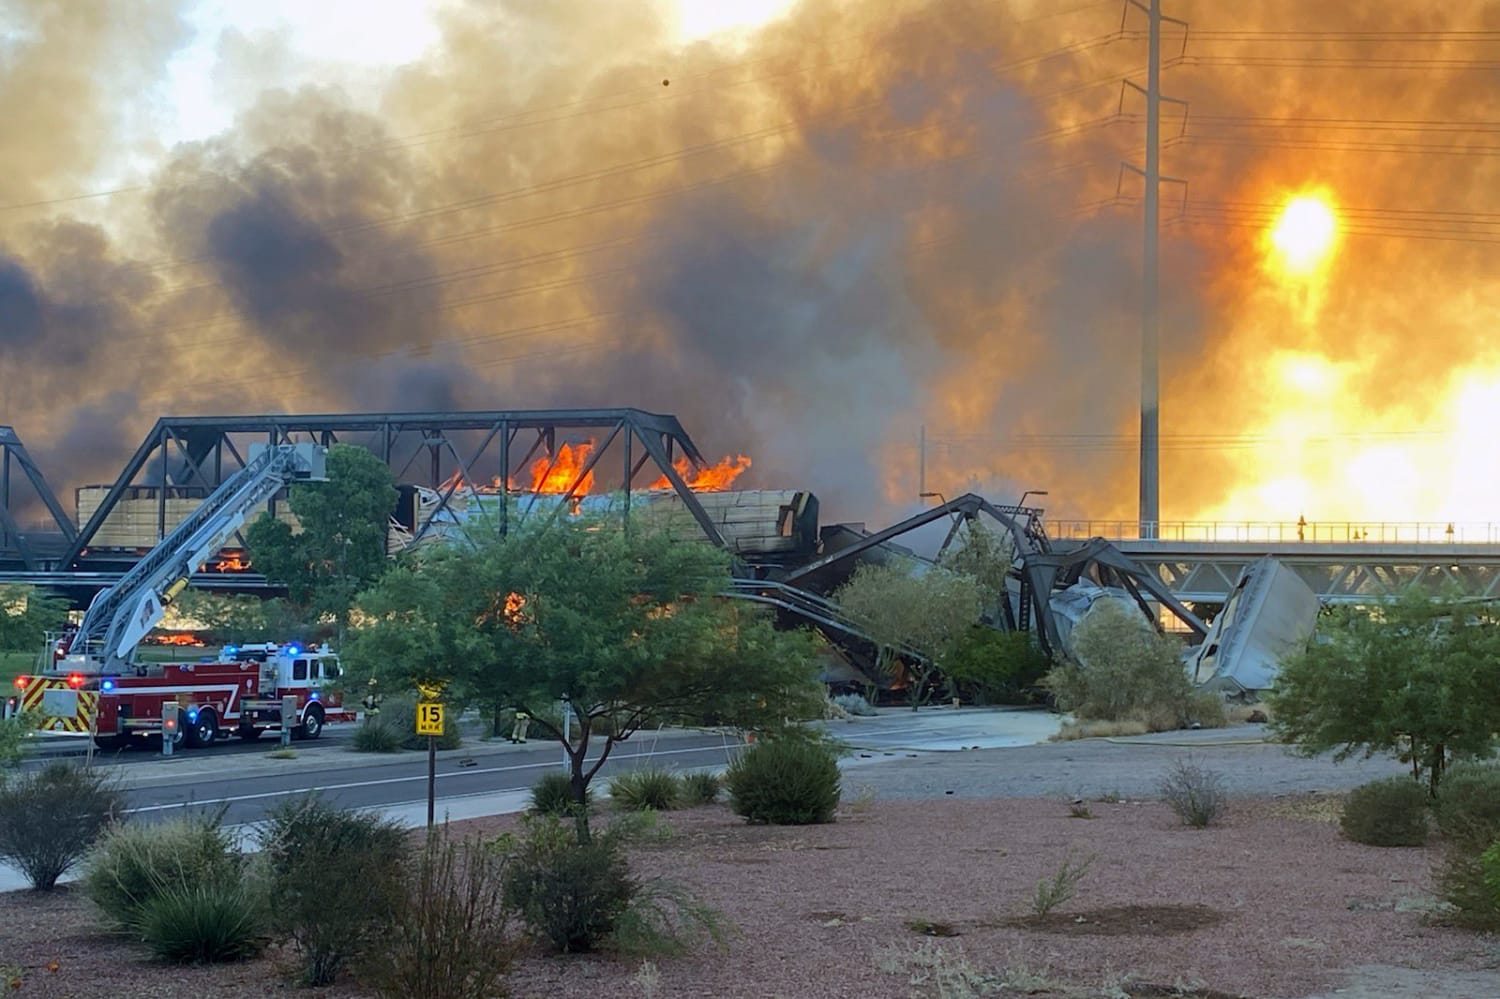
x: 1343, y: 562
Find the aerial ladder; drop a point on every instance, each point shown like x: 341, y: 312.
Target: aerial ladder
x: 93, y: 684
x: 123, y: 614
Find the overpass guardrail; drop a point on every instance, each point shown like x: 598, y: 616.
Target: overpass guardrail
x: 1283, y: 532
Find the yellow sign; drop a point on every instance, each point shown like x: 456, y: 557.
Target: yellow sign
x: 430, y: 718
x: 431, y: 692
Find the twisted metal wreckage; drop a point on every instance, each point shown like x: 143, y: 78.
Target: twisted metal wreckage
x: 512, y: 466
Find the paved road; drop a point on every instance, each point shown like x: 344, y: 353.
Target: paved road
x: 368, y: 782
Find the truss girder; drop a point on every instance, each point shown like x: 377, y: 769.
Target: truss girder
x: 13, y: 538
x: 1341, y: 575
x: 201, y: 451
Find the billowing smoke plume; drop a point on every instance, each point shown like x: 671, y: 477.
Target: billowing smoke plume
x: 876, y: 216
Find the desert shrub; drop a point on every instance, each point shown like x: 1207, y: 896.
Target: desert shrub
x: 131, y: 864
x: 785, y: 782
x: 334, y: 879
x: 1206, y: 709
x: 701, y: 788
x: 377, y: 736
x: 1391, y: 812
x: 996, y: 667
x: 552, y: 794
x: 1122, y: 668
x: 14, y: 732
x: 1060, y: 888
x: 194, y: 922
x: 1465, y: 880
x: 648, y: 787
x: 450, y: 938
x: 570, y: 893
x: 397, y: 722
x: 1194, y: 793
x: 1468, y: 806
x: 50, y: 818
x: 665, y: 918
x: 855, y: 704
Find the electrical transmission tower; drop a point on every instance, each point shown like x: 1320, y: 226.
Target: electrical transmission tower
x: 1150, y: 507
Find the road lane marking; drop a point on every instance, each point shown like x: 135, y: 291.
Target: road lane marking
x: 402, y: 780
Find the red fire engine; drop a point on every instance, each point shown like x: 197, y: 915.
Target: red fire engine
x: 96, y: 687
x: 240, y: 692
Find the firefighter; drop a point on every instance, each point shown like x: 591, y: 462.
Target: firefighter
x: 373, y: 699
x: 523, y: 722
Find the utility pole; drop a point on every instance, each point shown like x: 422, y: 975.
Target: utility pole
x: 1150, y: 485
x: 922, y: 461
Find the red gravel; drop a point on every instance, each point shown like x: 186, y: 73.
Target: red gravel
x: 823, y: 911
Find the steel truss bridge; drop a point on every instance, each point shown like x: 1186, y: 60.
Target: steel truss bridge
x: 188, y: 457
x: 1343, y: 563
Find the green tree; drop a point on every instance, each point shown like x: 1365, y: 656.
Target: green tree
x: 1415, y: 678
x: 1121, y: 667
x: 341, y: 545
x: 999, y: 666
x: 27, y: 613
x: 916, y: 618
x: 986, y: 556
x: 627, y: 627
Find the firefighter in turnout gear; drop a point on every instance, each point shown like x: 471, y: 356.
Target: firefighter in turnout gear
x: 523, y: 722
x: 373, y: 699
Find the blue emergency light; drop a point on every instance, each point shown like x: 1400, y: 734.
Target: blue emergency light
x: 108, y: 685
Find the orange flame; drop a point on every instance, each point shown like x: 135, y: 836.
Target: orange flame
x: 175, y: 638
x: 550, y: 475
x: 234, y: 562
x: 711, y: 479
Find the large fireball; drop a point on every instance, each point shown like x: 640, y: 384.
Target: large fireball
x: 1304, y: 235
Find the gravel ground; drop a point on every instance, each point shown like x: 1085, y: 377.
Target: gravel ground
x: 1273, y: 904
x: 1096, y: 767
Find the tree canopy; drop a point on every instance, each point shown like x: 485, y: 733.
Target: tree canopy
x: 1122, y: 668
x: 918, y: 618
x: 985, y: 556
x: 341, y: 545
x: 27, y: 613
x: 1417, y: 678
x: 627, y: 626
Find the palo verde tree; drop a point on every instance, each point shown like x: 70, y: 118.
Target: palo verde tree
x: 918, y: 618
x: 1416, y: 677
x: 628, y: 628
x: 341, y: 545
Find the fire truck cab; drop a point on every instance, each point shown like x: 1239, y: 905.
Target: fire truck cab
x: 311, y: 675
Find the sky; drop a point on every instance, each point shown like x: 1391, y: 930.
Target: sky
x: 354, y: 43
x: 809, y: 229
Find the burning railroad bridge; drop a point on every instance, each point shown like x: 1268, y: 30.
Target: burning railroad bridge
x: 510, y: 467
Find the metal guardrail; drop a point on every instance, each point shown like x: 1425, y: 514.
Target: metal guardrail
x: 1284, y: 532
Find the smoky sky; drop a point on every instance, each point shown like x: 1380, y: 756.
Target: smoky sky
x: 868, y: 219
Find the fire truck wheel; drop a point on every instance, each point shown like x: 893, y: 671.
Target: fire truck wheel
x: 312, y: 724
x: 248, y: 732
x: 205, y: 731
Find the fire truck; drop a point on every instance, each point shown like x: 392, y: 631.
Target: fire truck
x: 96, y: 687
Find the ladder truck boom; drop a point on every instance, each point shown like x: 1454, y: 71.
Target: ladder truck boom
x: 123, y: 614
